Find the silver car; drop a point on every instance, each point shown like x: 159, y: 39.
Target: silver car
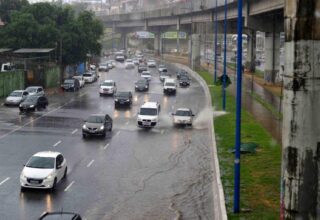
x: 16, y: 97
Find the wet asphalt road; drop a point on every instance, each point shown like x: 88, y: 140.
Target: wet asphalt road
x: 163, y: 173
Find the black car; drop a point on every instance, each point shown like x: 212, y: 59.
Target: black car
x: 184, y: 80
x: 70, y: 85
x: 122, y: 98
x: 180, y: 73
x: 142, y: 68
x: 33, y: 102
x: 97, y: 125
x: 141, y: 85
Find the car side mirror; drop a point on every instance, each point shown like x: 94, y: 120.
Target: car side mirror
x: 59, y: 167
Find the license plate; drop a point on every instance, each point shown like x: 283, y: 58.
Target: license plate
x: 34, y: 181
x: 147, y: 123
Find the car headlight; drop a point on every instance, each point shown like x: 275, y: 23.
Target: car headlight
x: 49, y: 177
x: 136, y: 86
x: 127, y: 100
x: 20, y: 105
x: 146, y: 87
x: 116, y: 100
x: 139, y: 118
x: 84, y: 126
x: 102, y: 127
x: 22, y: 176
x: 31, y: 106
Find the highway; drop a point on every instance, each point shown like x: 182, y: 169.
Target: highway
x: 133, y: 173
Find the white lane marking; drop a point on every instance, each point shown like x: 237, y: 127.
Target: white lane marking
x: 117, y: 133
x: 90, y: 163
x: 74, y: 131
x: 105, y: 147
x: 162, y: 131
x: 127, y: 123
x: 68, y: 187
x: 5, y: 180
x: 56, y: 144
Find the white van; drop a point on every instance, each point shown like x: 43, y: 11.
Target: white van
x: 148, y: 115
x: 169, y: 86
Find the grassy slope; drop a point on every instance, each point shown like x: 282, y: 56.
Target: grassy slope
x: 260, y: 172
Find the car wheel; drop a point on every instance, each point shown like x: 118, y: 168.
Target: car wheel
x: 22, y: 189
x: 110, y: 129
x: 84, y: 136
x: 54, y: 184
x: 65, y: 173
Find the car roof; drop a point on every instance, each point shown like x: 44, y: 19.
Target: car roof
x: 183, y: 109
x: 150, y: 105
x: 19, y: 91
x: 146, y: 71
x: 108, y: 80
x: 47, y: 154
x: 36, y: 87
x: 169, y: 80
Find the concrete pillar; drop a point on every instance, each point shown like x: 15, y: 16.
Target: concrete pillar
x: 178, y: 41
x: 195, y: 51
x: 300, y: 182
x: 251, y: 52
x: 124, y: 41
x: 272, y: 56
x: 157, y: 44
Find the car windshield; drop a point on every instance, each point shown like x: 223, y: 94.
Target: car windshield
x: 183, y: 113
x: 31, y: 89
x: 170, y: 84
x: 162, y: 66
x: 145, y: 74
x: 41, y: 162
x: 107, y: 84
x: 184, y: 77
x: 129, y: 61
x: 31, y: 98
x: 95, y: 119
x: 141, y: 83
x: 148, y: 111
x: 68, y: 81
x: 16, y: 94
x: 87, y: 74
x: 122, y: 95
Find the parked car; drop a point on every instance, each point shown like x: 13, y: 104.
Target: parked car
x: 142, y: 68
x: 35, y: 90
x: 16, y: 97
x: 70, y: 85
x: 183, y: 116
x: 151, y: 63
x: 122, y: 99
x: 33, y: 102
x: 184, y: 81
x: 108, y: 87
x: 103, y: 67
x: 146, y: 75
x: 141, y: 85
x: 44, y: 170
x: 129, y: 64
x: 81, y: 80
x: 89, y: 77
x: 97, y: 125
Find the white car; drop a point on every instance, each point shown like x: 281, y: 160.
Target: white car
x: 148, y: 115
x: 151, y: 63
x: 16, y: 97
x: 35, y: 90
x: 103, y: 67
x: 108, y: 87
x: 81, y: 80
x: 89, y: 77
x: 136, y: 61
x: 146, y: 75
x: 129, y: 64
x: 162, y: 68
x: 43, y: 170
x: 183, y: 116
x: 113, y: 62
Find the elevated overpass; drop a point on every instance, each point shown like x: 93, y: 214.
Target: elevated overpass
x: 194, y: 17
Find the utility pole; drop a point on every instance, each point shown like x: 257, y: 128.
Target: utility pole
x: 300, y: 188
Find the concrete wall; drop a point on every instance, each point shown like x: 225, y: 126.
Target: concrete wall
x: 52, y: 77
x: 10, y: 81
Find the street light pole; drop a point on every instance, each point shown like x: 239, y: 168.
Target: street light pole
x: 225, y: 59
x: 236, y: 206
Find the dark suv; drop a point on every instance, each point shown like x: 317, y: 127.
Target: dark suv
x: 122, y: 98
x: 33, y: 102
x: 70, y: 85
x: 184, y: 81
x: 97, y: 125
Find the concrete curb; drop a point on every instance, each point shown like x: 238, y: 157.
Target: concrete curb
x: 220, y: 211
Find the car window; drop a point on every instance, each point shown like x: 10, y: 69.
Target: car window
x: 39, y: 89
x: 95, y: 119
x: 183, y: 113
x: 59, y: 160
x: 41, y: 162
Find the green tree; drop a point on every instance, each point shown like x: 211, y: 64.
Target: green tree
x: 7, y: 7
